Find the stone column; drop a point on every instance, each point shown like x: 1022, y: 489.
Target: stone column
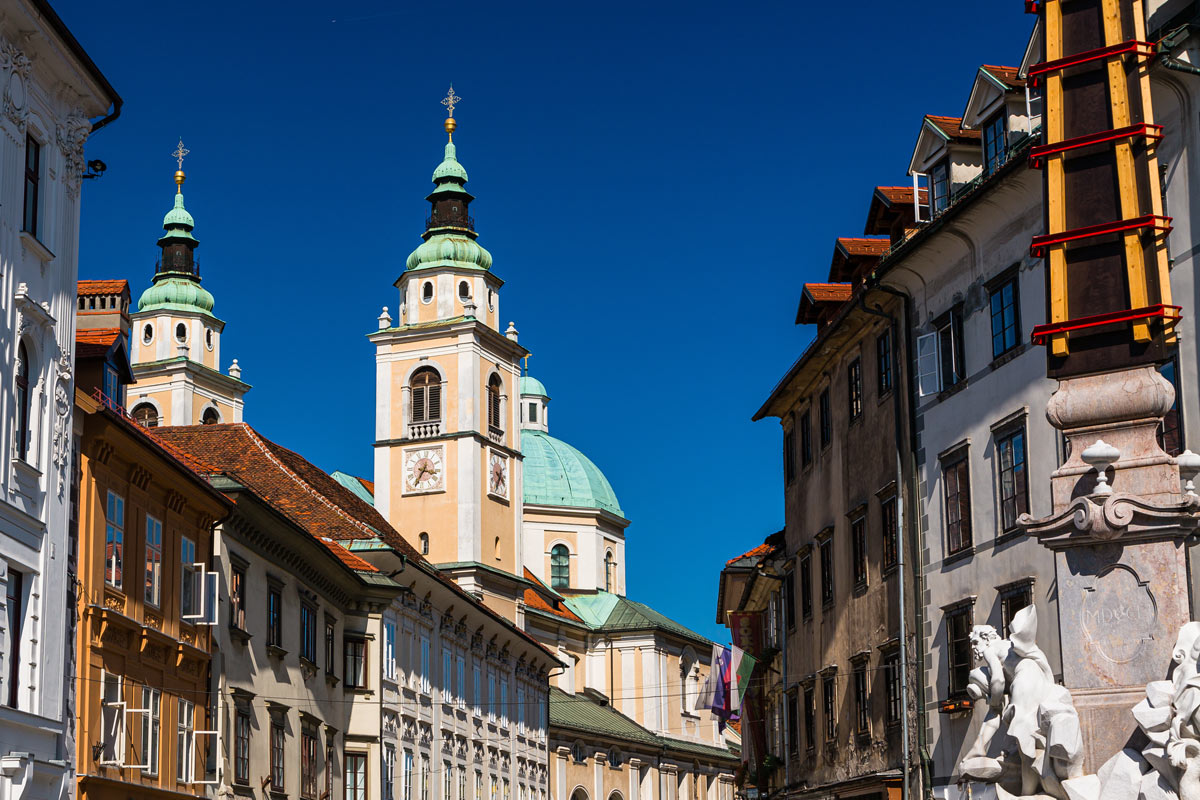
x: 1119, y: 548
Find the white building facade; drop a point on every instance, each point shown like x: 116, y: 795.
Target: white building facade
x: 52, y: 97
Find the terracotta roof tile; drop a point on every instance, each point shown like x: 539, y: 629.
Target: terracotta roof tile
x: 368, y: 485
x: 95, y: 342
x: 952, y: 127
x: 898, y: 194
x: 90, y: 288
x: 872, y: 246
x: 1010, y: 76
x: 535, y: 599
x: 828, y: 292
x: 311, y: 499
x: 755, y: 552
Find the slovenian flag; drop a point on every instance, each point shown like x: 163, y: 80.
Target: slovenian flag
x: 741, y: 667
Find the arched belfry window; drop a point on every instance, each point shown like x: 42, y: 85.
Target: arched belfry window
x: 560, y: 567
x: 145, y: 415
x: 424, y: 540
x: 24, y: 398
x: 210, y: 416
x: 610, y: 572
x: 493, y: 403
x: 426, y: 395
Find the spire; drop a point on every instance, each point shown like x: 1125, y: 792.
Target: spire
x: 177, y: 275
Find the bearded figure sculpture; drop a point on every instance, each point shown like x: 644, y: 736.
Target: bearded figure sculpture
x: 1028, y: 740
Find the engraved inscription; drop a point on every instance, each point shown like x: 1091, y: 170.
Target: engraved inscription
x: 1118, y: 614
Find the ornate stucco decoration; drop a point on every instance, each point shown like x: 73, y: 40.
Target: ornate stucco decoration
x: 72, y: 134
x: 14, y: 100
x: 1103, y: 518
x: 31, y: 315
x: 60, y: 448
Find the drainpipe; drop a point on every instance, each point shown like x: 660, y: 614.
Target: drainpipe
x: 897, y: 400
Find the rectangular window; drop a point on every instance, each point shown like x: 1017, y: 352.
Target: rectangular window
x: 862, y: 699
x: 793, y: 713
x: 1014, y: 490
x: 491, y: 695
x: 330, y: 645
x: 891, y: 535
x: 112, y: 386
x: 829, y: 704
x: 237, y: 597
x: 330, y: 764
x: 356, y: 663
x: 854, y: 376
x: 241, y: 753
x: 447, y: 676
x: 789, y: 458
x: 308, y: 762
x: 33, y: 181
x: 408, y: 775
x: 1006, y: 317
x: 447, y: 780
x: 521, y: 708
x: 806, y: 586
x: 891, y: 677
x: 956, y: 490
x: 939, y: 188
x: 825, y: 421
x: 461, y: 694
x: 503, y: 702
x: 389, y: 650
x: 151, y: 729
x: 826, y: 551
x: 389, y: 771
x: 477, y: 696
x: 425, y: 664
x: 462, y: 784
x: 112, y: 714
x: 185, y: 741
x: 424, y: 777
x: 993, y: 144
x: 278, y: 755
x: 1013, y: 598
x: 153, y: 561
x: 951, y: 353
x: 308, y: 633
x: 478, y: 785
x: 858, y: 546
x: 805, y: 439
x: 189, y: 605
x: 114, y: 540
x: 958, y: 647
x: 14, y: 593
x: 356, y: 776
x: 789, y: 600
x: 274, y: 617
x: 883, y: 361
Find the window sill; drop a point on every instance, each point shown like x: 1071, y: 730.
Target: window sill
x: 1012, y: 354
x: 885, y: 395
x: 240, y: 635
x: 275, y: 651
x: 890, y: 569
x: 953, y: 390
x: 33, y: 245
x: 26, y: 470
x: 860, y: 588
x: 331, y: 679
x: 1009, y: 536
x: 961, y: 555
x: 360, y: 690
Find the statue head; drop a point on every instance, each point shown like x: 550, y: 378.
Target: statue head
x: 1187, y: 643
x: 984, y: 639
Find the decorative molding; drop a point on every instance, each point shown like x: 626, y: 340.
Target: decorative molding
x: 1090, y: 520
x: 15, y: 99
x: 71, y: 135
x: 61, y: 442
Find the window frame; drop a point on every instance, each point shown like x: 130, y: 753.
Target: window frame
x: 810, y: 716
x: 114, y: 541
x: 999, y: 146
x: 891, y: 677
x: 959, y: 659
x: 274, y: 611
x: 1012, y: 478
x: 960, y: 532
x: 806, y: 448
x: 939, y: 201
x: 309, y: 747
x: 1171, y: 439
x: 862, y: 697
x: 854, y: 382
x: 1007, y: 338
x: 828, y: 565
x: 890, y: 528
x: 829, y: 705
x: 278, y: 756
x: 185, y: 741
x: 355, y: 769
x: 31, y: 197
x: 952, y: 369
x: 24, y: 400
x: 242, y: 733
x: 858, y: 550
x: 806, y: 585
x: 789, y: 457
x: 355, y: 654
x: 15, y: 609
x: 425, y: 387
x: 308, y: 632
x: 1009, y: 592
x: 237, y: 596
x: 560, y: 581
x: 825, y: 418
x: 883, y: 362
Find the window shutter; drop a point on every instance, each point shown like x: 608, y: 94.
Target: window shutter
x: 927, y: 364
x: 418, y: 404
x: 494, y: 406
x: 435, y: 402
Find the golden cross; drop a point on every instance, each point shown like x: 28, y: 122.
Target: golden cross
x: 450, y: 101
x: 180, y: 152
x: 526, y: 360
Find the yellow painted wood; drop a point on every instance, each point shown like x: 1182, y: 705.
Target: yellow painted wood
x: 1055, y: 196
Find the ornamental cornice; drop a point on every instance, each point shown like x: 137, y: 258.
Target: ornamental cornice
x: 1092, y: 520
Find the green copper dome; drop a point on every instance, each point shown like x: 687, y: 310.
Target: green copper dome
x: 451, y: 249
x: 178, y: 216
x: 556, y: 474
x: 450, y: 168
x: 532, y: 386
x: 176, y: 294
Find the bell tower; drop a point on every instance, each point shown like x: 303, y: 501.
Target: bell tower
x: 448, y: 447
x: 176, y: 339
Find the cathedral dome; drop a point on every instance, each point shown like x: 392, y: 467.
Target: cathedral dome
x: 454, y: 250
x: 556, y: 474
x: 533, y: 387
x: 176, y: 294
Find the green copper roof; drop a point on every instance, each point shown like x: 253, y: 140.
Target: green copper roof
x: 557, y: 474
x: 532, y: 386
x: 176, y: 294
x: 450, y: 168
x: 580, y: 713
x: 454, y: 250
x: 605, y: 611
x: 354, y: 485
x: 178, y: 215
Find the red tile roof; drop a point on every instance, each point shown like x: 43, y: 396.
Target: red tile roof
x: 308, y: 497
x: 828, y: 292
x: 760, y: 550
x: 368, y: 485
x: 871, y: 246
x: 89, y: 288
x: 898, y: 194
x: 95, y: 342
x: 1010, y: 76
x: 537, y: 599
x: 952, y: 127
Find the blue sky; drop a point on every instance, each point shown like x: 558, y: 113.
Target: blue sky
x: 655, y: 181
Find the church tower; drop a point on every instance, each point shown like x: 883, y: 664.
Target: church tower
x: 177, y: 340
x: 447, y: 450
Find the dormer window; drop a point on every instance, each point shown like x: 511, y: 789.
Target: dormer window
x: 993, y: 143
x: 939, y: 187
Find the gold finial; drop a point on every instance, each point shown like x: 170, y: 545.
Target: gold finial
x: 180, y: 152
x: 449, y: 101
x: 525, y: 358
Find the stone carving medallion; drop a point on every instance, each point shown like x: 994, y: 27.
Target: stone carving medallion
x: 1117, y: 614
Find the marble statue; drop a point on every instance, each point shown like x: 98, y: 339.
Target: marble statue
x: 1028, y: 740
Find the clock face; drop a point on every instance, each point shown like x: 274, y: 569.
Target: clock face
x: 498, y: 475
x: 423, y: 469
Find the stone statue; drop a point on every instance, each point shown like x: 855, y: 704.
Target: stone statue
x: 1029, y: 740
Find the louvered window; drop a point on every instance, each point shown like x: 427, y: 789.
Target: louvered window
x: 493, y: 397
x: 426, y: 396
